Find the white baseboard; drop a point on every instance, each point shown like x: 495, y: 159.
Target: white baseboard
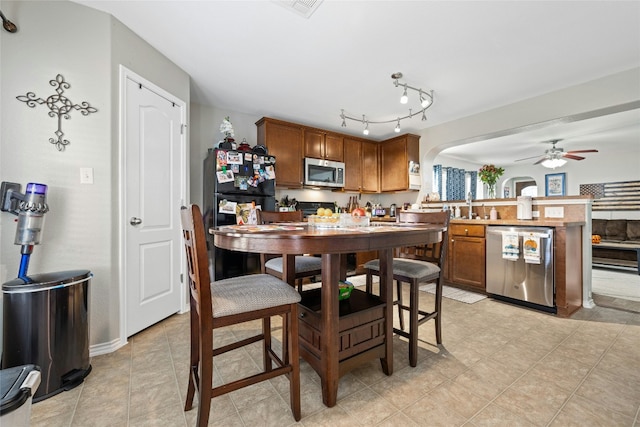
x: 105, y: 348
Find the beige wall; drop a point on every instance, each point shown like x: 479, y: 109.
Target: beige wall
x: 81, y: 230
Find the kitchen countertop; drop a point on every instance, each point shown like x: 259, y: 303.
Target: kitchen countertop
x: 547, y: 222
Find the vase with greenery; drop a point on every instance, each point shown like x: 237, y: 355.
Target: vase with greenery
x: 489, y: 175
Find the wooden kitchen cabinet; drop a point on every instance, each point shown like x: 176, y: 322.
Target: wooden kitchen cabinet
x: 323, y: 145
x: 284, y: 141
x: 395, y: 155
x: 361, y: 166
x: 466, y: 255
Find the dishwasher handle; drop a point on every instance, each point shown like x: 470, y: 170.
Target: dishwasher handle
x: 542, y: 235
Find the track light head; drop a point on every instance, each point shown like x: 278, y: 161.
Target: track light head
x: 404, y: 98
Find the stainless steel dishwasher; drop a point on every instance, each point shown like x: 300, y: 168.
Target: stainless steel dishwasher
x: 529, y: 283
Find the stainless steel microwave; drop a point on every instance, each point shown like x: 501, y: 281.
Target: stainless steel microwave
x: 323, y: 173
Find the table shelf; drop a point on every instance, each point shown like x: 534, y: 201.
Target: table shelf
x: 361, y: 328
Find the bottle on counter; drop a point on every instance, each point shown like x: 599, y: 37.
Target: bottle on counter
x: 493, y: 214
x: 457, y: 213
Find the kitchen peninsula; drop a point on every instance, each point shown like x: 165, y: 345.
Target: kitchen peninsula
x: 569, y: 217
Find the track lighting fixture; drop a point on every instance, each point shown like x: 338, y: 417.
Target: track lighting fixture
x: 425, y: 98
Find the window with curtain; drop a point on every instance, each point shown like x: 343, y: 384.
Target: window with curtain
x: 454, y: 183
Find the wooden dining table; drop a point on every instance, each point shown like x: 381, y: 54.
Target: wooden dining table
x: 330, y: 350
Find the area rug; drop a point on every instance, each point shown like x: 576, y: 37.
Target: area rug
x: 454, y: 293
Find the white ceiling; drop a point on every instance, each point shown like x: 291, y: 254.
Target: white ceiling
x: 616, y: 134
x: 258, y: 58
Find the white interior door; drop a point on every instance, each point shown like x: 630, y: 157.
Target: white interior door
x: 153, y: 183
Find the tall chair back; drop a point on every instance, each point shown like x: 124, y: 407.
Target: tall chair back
x: 230, y: 302
x: 305, y: 266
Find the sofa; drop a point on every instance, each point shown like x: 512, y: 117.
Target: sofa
x: 619, y: 242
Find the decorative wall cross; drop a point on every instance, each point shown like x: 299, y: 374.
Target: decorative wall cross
x: 60, y: 106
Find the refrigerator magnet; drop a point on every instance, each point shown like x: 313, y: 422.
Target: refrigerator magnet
x: 271, y: 172
x: 227, y: 207
x: 234, y: 158
x: 225, y: 176
x: 222, y: 158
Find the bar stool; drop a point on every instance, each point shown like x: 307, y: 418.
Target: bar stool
x: 306, y: 266
x: 416, y: 265
x: 229, y: 302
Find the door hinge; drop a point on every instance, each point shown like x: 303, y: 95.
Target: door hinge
x: 182, y: 129
x: 181, y: 278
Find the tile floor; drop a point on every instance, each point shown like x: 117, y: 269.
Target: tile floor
x: 500, y: 365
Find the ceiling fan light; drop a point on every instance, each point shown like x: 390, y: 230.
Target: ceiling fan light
x: 553, y: 163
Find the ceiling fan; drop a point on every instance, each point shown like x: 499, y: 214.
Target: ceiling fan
x: 555, y: 156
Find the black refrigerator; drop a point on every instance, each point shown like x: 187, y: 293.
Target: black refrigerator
x: 235, y: 180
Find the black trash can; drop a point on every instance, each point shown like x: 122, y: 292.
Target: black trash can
x: 45, y: 323
x: 17, y: 386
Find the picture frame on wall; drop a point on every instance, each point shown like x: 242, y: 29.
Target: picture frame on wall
x: 555, y: 184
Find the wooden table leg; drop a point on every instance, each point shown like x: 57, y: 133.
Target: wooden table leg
x: 330, y: 323
x: 289, y: 269
x: 386, y: 294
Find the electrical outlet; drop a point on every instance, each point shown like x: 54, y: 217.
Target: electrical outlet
x: 554, y: 212
x: 86, y: 175
x: 535, y: 214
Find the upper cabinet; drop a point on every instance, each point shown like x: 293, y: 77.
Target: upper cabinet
x: 322, y: 145
x: 395, y: 155
x: 285, y: 142
x: 370, y: 166
x: 361, y: 166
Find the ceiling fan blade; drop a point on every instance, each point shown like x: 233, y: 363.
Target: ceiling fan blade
x: 582, y: 151
x: 540, y: 161
x: 571, y: 156
x: 527, y: 158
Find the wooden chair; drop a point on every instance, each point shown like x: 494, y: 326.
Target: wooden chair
x: 416, y: 265
x: 306, y: 266
x: 229, y: 302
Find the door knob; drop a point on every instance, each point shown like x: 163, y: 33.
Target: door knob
x: 135, y: 221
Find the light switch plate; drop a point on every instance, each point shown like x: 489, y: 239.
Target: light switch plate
x: 86, y: 175
x: 554, y: 212
x: 535, y: 214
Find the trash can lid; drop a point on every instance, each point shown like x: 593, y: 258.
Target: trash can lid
x: 45, y: 281
x: 12, y: 389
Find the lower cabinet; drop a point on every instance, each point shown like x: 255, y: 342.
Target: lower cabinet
x: 466, y: 255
